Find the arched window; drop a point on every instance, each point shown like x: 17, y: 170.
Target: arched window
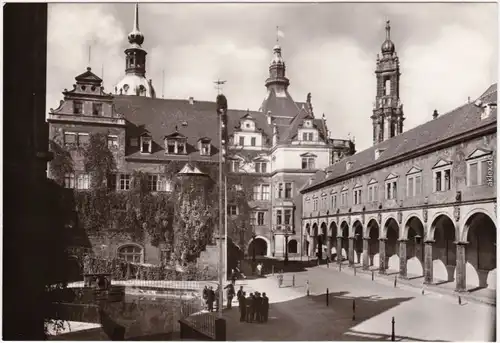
x: 130, y: 253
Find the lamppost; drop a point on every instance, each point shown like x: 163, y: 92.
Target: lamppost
x: 356, y: 237
x: 286, y: 247
x: 253, y: 251
x: 273, y: 233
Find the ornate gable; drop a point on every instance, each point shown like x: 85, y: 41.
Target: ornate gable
x: 391, y: 176
x: 308, y: 154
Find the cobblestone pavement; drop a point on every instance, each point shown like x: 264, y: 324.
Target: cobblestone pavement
x: 293, y: 316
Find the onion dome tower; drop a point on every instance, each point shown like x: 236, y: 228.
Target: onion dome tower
x: 134, y: 82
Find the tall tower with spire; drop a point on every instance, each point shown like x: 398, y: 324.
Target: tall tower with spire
x: 387, y: 118
x: 277, y: 80
x: 134, y: 82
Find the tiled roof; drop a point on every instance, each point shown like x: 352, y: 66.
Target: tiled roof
x: 459, y: 121
x: 160, y: 117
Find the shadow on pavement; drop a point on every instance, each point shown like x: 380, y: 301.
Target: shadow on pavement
x: 308, y: 318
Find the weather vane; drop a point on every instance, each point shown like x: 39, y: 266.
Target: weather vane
x: 219, y: 85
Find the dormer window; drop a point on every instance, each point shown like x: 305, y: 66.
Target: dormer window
x: 96, y: 108
x: 307, y: 136
x: 349, y: 165
x: 181, y: 147
x: 77, y: 107
x: 176, y: 144
x: 171, y: 147
x: 204, y: 146
x: 146, y: 144
x: 242, y: 141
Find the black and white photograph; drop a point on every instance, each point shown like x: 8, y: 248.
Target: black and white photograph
x: 250, y: 171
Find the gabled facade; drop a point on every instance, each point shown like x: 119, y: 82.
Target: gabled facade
x: 282, y: 144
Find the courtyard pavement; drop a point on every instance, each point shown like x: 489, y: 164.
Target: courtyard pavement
x: 294, y: 316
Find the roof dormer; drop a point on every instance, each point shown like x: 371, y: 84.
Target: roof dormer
x: 146, y: 143
x: 247, y: 122
x: 204, y: 146
x: 175, y: 144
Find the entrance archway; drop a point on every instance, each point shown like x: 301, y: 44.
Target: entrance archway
x: 257, y: 246
x: 373, y: 243
x: 306, y: 240
x: 344, y: 242
x: 333, y: 238
x: 415, y: 247
x: 292, y: 246
x: 392, y: 244
x: 321, y: 240
x: 444, y: 257
x: 358, y: 241
x: 480, y: 232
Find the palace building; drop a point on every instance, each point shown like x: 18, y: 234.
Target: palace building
x: 282, y: 144
x: 422, y: 202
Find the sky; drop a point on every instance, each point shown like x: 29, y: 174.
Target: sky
x: 448, y: 52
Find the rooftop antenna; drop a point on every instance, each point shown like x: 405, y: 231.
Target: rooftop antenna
x: 102, y: 75
x: 219, y: 85
x: 90, y: 54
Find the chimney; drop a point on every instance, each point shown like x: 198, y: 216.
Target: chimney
x: 348, y: 165
x: 435, y: 114
x: 468, y: 99
x: 191, y: 100
x: 486, y: 110
x: 378, y: 152
x: 269, y: 117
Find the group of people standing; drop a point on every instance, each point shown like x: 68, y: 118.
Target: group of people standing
x: 254, y: 308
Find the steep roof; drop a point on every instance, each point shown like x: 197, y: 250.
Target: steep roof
x: 161, y: 117
x: 459, y: 121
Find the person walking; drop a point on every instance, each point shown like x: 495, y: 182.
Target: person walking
x: 243, y: 306
x: 240, y: 292
x: 216, y: 298
x: 230, y: 294
x: 259, y: 270
x: 258, y: 308
x: 250, y: 307
x: 205, y: 296
x: 265, y: 307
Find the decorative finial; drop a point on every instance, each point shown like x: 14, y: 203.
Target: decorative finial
x: 136, y: 37
x: 176, y: 128
x: 136, y: 17
x: 388, y: 30
x: 279, y: 34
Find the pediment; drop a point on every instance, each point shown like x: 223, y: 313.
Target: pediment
x: 372, y: 181
x: 344, y: 189
x: 414, y: 170
x: 479, y: 152
x: 357, y: 185
x: 391, y: 176
x: 315, y: 196
x: 308, y: 198
x: 333, y: 191
x: 176, y: 135
x: 442, y: 163
x: 204, y: 139
x: 308, y: 154
x: 248, y: 117
x: 324, y: 194
x: 190, y: 169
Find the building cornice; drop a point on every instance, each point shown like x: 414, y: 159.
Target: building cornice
x: 452, y: 141
x: 85, y: 120
x: 295, y: 171
x: 401, y: 209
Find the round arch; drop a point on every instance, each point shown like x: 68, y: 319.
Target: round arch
x: 324, y: 230
x: 390, y: 221
x: 344, y: 229
x: 308, y: 229
x: 357, y: 234
x: 292, y: 246
x: 481, y: 235
x: 467, y: 221
x: 373, y: 233
x: 315, y: 229
x: 261, y: 244
x: 436, y: 219
x: 414, y: 233
x: 371, y: 227
x: 332, y: 230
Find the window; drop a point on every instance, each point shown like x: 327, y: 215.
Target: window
x: 307, y: 136
x: 242, y: 141
x: 265, y: 192
x: 235, y: 166
x: 154, y: 183
x: 112, y: 142
x: 70, y: 138
x: 168, y: 186
x: 310, y: 136
x: 205, y: 149
x: 253, y: 141
x: 83, y: 181
x: 315, y: 204
x: 357, y: 197
x: 343, y: 198
x: 232, y: 210
x: 69, y: 180
x: 479, y: 171
x: 387, y: 86
x: 146, y: 144
x: 261, y: 167
x: 124, y: 182
x: 181, y: 148
x: 323, y: 202
x: 280, y: 190
x: 77, y: 107
x: 278, y: 217
x: 373, y: 193
x: 83, y: 139
x: 414, y: 184
x: 130, y: 253
x: 170, y: 147
x: 333, y: 201
x: 442, y: 180
x: 288, y: 190
x: 391, y: 190
x: 307, y: 162
x: 256, y: 192
x: 260, y: 218
x: 288, y: 217
x: 96, y: 108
